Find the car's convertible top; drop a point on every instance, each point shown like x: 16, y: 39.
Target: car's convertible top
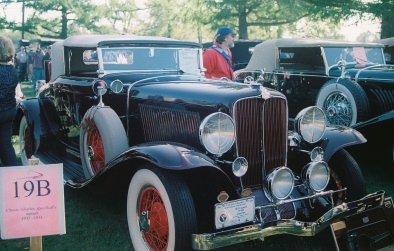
x: 264, y: 55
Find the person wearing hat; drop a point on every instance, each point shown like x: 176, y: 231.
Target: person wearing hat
x: 217, y: 59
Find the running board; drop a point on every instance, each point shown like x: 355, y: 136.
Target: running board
x: 71, y: 169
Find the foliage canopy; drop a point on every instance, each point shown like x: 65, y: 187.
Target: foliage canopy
x: 195, y: 19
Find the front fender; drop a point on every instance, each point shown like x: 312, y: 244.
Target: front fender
x: 177, y: 157
x: 171, y: 156
x: 166, y: 155
x: 340, y: 137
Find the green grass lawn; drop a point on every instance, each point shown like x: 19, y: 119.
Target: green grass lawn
x: 27, y: 89
x: 94, y: 222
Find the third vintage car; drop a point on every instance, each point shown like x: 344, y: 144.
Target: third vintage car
x: 350, y: 81
x: 203, y: 163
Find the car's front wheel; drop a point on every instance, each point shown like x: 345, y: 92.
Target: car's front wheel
x: 343, y: 101
x: 346, y: 173
x: 160, y: 211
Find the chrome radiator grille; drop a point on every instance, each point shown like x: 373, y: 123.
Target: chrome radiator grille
x: 261, y: 128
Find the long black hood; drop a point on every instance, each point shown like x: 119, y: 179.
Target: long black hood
x: 201, y: 93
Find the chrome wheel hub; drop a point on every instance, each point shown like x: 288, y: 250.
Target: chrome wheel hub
x: 90, y: 153
x: 144, y: 222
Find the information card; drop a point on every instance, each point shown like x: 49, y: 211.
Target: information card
x: 31, y: 201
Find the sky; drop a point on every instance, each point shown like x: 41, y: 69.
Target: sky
x: 350, y: 29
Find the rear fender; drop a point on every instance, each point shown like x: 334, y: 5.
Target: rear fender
x: 30, y: 108
x: 42, y: 121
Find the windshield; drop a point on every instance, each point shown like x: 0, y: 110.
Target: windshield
x: 358, y: 55
x: 150, y: 59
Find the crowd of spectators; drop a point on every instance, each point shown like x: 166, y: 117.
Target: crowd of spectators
x: 29, y: 62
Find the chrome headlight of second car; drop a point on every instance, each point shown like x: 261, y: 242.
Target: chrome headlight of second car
x: 310, y: 123
x: 217, y: 133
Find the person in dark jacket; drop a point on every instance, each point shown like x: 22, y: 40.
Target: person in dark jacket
x: 8, y: 83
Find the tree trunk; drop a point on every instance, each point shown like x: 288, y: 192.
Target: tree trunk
x: 387, y: 28
x: 243, y: 24
x: 63, y: 35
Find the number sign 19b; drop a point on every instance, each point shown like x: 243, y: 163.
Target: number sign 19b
x: 31, y: 201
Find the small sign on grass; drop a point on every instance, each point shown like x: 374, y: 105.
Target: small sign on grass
x: 31, y: 201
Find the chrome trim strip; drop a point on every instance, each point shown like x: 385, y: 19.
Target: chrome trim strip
x: 367, y: 68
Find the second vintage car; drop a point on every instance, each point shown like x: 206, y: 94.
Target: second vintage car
x: 350, y: 81
x: 204, y: 163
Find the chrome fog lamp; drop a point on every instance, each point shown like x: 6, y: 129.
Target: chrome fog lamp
x: 317, y: 154
x: 217, y: 133
x: 317, y: 175
x: 310, y: 123
x: 280, y: 182
x: 240, y: 166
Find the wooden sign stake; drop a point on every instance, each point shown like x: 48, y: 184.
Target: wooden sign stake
x: 36, y: 241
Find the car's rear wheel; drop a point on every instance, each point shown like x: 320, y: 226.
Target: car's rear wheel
x: 102, y: 138
x: 160, y: 211
x: 25, y: 141
x: 343, y: 101
x: 346, y: 173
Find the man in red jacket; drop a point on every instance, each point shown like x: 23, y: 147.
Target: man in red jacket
x: 217, y: 59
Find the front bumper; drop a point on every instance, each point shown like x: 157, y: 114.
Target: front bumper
x: 209, y: 241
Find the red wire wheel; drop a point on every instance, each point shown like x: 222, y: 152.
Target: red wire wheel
x: 28, y: 143
x: 157, y: 236
x: 160, y: 210
x: 95, y: 143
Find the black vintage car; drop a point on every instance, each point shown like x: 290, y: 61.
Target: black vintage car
x: 350, y: 81
x: 206, y: 163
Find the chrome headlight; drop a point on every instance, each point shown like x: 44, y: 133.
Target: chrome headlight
x: 217, y: 133
x: 280, y: 182
x: 240, y: 166
x: 317, y: 174
x: 317, y: 154
x: 310, y: 123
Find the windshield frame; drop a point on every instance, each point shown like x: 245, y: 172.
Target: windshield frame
x: 151, y: 59
x: 358, y: 55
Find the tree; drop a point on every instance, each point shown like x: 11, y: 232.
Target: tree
x: 382, y: 9
x: 244, y: 15
x: 181, y: 19
x: 62, y: 18
x: 123, y: 15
